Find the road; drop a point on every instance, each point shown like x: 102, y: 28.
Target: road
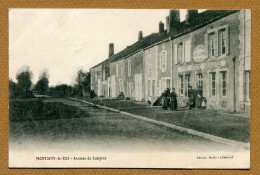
x: 104, y: 130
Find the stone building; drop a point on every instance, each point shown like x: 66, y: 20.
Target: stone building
x: 210, y: 50
x: 209, y: 56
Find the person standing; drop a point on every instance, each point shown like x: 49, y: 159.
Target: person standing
x: 199, y: 97
x: 165, y: 99
x: 192, y: 96
x: 173, y: 100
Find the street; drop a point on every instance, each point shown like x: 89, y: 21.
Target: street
x: 104, y: 130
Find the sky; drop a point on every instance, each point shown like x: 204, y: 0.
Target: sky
x: 66, y: 40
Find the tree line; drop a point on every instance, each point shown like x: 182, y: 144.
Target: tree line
x: 24, y: 87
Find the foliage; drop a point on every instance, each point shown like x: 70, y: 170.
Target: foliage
x: 62, y: 90
x: 42, y: 84
x: 12, y: 89
x: 24, y: 82
x: 82, y: 85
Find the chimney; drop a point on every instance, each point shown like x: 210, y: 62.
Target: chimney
x: 191, y: 14
x: 111, y: 49
x: 161, y: 27
x: 167, y: 24
x: 140, y: 35
x: 174, y: 21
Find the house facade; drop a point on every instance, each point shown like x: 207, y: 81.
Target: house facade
x: 164, y: 66
x: 117, y: 77
x: 134, y: 76
x: 150, y: 73
x: 209, y: 50
x: 208, y: 58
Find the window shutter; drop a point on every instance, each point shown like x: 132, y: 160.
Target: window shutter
x: 175, y: 54
x: 187, y: 51
x: 206, y: 45
x: 227, y: 40
x: 165, y: 60
x: 160, y: 61
x: 216, y: 45
x: 183, y: 52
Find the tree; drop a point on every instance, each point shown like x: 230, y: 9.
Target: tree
x: 82, y: 82
x: 42, y: 84
x: 24, y: 81
x: 12, y: 89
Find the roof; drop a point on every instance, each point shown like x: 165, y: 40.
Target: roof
x: 145, y: 42
x: 200, y: 20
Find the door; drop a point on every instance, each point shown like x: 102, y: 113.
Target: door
x: 113, y: 85
x: 108, y: 87
x: 138, y: 87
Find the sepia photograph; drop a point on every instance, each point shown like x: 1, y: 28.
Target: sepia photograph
x: 129, y: 88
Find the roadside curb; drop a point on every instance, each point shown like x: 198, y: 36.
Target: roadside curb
x: 183, y: 129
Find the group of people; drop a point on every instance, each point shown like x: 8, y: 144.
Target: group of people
x: 169, y: 99
x: 195, y: 99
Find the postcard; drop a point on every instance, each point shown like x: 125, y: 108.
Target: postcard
x: 129, y: 88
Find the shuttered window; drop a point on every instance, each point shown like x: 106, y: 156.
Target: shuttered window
x: 180, y: 53
x: 129, y: 68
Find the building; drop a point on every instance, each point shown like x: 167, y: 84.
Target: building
x: 209, y: 50
x: 209, y: 56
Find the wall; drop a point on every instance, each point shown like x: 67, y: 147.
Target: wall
x: 134, y: 90
x: 117, y: 70
x: 164, y: 73
x: 150, y: 73
x: 244, y: 60
x: 201, y: 63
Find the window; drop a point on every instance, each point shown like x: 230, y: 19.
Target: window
x: 213, y: 84
x: 129, y: 87
x: 181, y: 84
x: 223, y: 41
x: 200, y: 81
x: 187, y: 84
x: 223, y: 83
x: 217, y: 41
x: 129, y: 68
x: 248, y: 85
x: 163, y: 60
x: 153, y: 88
x: 148, y: 86
x: 163, y: 87
x: 104, y: 75
x: 179, y: 52
x: 212, y: 45
x: 122, y: 69
x: 121, y: 85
